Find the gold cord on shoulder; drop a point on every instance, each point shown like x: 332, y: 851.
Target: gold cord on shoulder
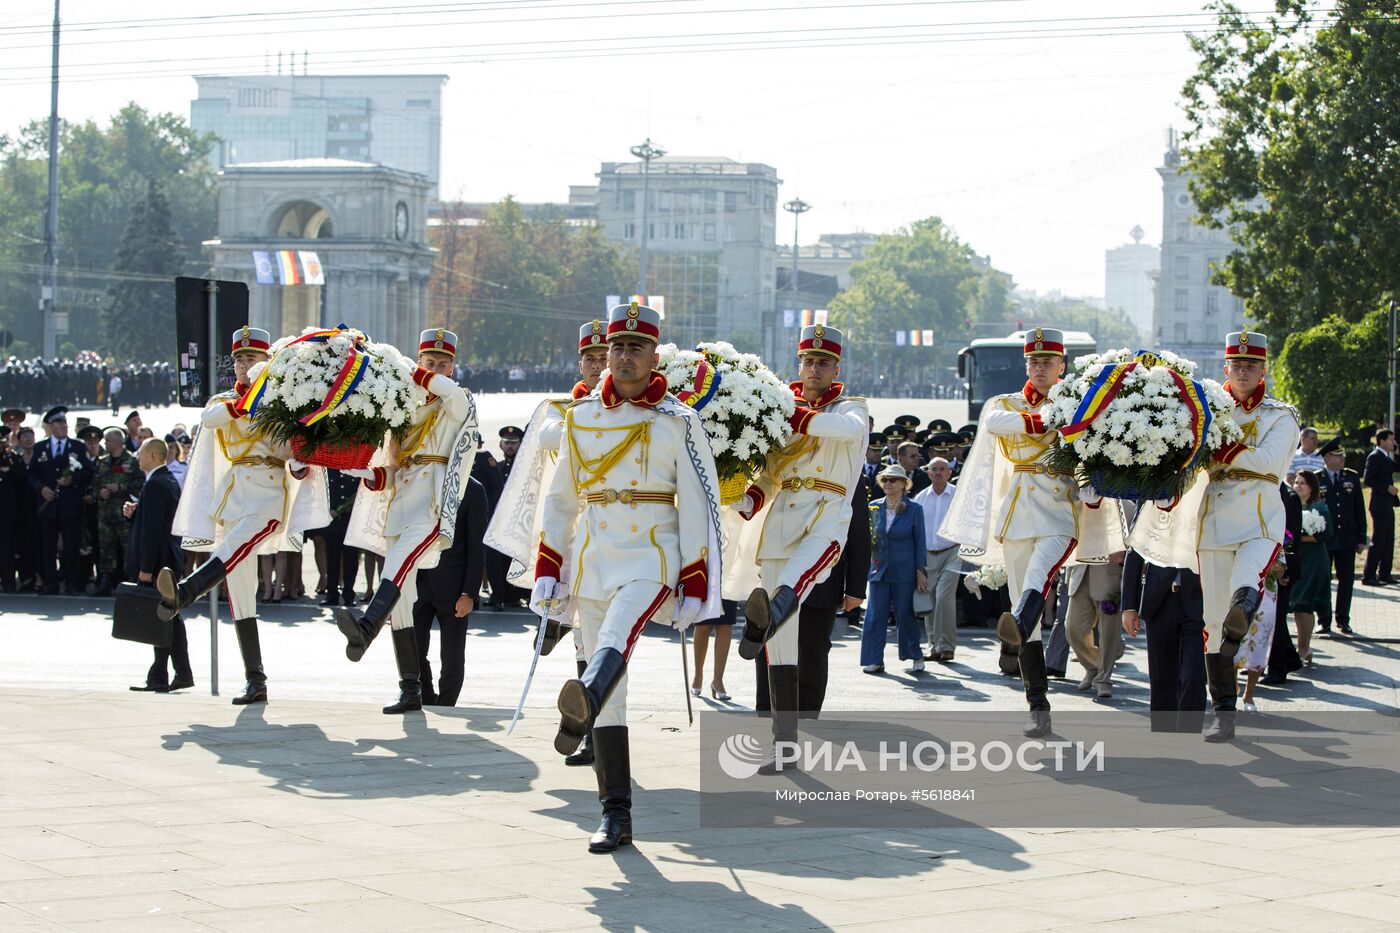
x: 588, y: 472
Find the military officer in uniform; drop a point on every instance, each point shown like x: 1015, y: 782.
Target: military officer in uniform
x: 424, y: 480
x: 1241, y: 518
x: 1341, y: 489
x: 633, y: 508
x: 1035, y: 512
x: 808, y: 487
x: 874, y: 455
x: 237, y: 503
x: 59, y: 474
x: 119, y: 479
x: 14, y: 496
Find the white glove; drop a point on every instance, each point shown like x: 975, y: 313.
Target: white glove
x: 1166, y: 505
x: 295, y: 465
x: 687, y: 613
x: 1090, y: 496
x: 745, y: 503
x: 359, y: 474
x: 543, y: 596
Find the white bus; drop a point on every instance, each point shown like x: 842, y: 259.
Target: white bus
x: 996, y: 365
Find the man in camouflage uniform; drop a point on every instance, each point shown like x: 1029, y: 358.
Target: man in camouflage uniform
x: 118, y: 478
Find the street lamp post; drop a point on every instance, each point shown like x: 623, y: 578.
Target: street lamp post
x: 646, y: 152
x: 797, y: 207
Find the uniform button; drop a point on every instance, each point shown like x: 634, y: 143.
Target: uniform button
x: 819, y: 469
x: 636, y: 459
x: 1032, y: 488
x: 597, y: 433
x: 597, y: 414
x: 792, y: 505
x: 634, y: 527
x: 602, y: 525
x: 634, y: 482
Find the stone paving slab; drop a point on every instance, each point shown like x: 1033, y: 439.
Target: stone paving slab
x: 189, y: 814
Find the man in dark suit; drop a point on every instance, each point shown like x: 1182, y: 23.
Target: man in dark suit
x: 1283, y: 654
x: 342, y: 562
x: 448, y: 593
x: 844, y: 589
x: 1341, y: 489
x: 151, y: 547
x: 874, y: 463
x: 1380, y: 479
x: 1168, y: 600
x: 14, y: 497
x: 503, y: 593
x: 59, y: 474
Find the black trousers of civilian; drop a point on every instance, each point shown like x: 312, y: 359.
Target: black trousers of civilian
x: 1344, y: 562
x: 813, y: 650
x: 178, y: 655
x: 71, y: 531
x: 1283, y: 654
x: 342, y: 562
x: 1176, y: 669
x: 9, y: 546
x: 452, y: 651
x: 1382, y: 552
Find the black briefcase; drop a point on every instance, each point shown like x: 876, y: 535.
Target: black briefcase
x: 134, y: 618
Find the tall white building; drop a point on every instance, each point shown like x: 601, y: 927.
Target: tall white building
x: 1130, y: 273
x: 391, y: 120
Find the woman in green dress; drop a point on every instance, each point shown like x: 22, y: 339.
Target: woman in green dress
x: 1312, y: 592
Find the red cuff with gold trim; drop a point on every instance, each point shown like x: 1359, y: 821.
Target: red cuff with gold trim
x: 755, y: 494
x: 800, y: 419
x: 695, y: 579
x: 548, y: 563
x: 234, y: 411
x: 423, y: 376
x: 1034, y: 423
x: 1229, y: 452
x: 378, y: 481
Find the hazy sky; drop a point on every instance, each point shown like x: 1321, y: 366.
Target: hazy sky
x: 1034, y: 127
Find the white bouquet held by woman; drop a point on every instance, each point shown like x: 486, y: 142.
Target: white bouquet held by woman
x: 742, y: 404
x: 1137, y: 425
x: 1313, y: 522
x: 333, y: 394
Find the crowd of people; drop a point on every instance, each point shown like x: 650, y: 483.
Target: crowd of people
x: 850, y: 520
x: 85, y: 382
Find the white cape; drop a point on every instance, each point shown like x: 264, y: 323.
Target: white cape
x: 515, y: 525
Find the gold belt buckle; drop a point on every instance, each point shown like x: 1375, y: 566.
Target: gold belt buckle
x: 809, y: 483
x: 625, y: 497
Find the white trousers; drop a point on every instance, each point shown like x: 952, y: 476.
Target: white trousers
x: 617, y: 624
x: 401, y: 566
x: 810, y: 564
x: 1224, y: 570
x: 239, y: 551
x: 1031, y: 564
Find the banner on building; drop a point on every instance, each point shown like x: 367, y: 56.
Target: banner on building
x: 288, y: 267
x: 789, y: 318
x: 901, y: 338
x: 915, y: 338
x: 928, y: 338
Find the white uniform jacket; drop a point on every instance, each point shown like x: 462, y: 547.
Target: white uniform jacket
x: 807, y: 484
x: 634, y: 497
x: 1242, y: 501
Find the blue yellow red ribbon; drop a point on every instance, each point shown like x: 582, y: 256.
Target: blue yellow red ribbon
x: 1193, y: 396
x: 704, y: 387
x: 345, y: 382
x: 1105, y: 387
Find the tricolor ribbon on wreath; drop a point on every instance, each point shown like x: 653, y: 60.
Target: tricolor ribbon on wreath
x: 344, y: 384
x: 1109, y: 382
x: 707, y: 380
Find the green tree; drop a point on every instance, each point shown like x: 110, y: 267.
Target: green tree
x: 103, y: 177
x: 1334, y: 372
x: 1294, y: 143
x: 139, y: 302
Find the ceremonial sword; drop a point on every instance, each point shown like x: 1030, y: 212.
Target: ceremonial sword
x: 534, y: 661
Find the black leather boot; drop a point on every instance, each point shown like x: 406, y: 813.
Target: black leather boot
x: 614, y: 768
x: 410, y: 684
x: 176, y: 595
x: 782, y: 701
x: 1032, y: 659
x: 553, y: 634
x: 359, y: 631
x: 581, y: 699
x: 584, y: 756
x: 255, y: 690
x: 104, y: 585
x: 1224, y: 686
x: 764, y: 616
x: 1236, y: 625
x: 1016, y: 626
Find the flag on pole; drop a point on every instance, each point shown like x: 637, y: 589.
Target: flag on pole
x: 819, y: 317
x: 901, y: 338
x: 928, y: 338
x: 288, y: 271
x: 914, y: 337
x: 807, y: 320
x: 789, y: 318
x: 262, y: 267
x: 311, y: 268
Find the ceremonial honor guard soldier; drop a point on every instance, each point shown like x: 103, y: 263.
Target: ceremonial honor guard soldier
x: 1241, y: 518
x: 1010, y: 502
x: 807, y: 486
x: 243, y: 497
x: 423, y: 479
x: 634, y: 504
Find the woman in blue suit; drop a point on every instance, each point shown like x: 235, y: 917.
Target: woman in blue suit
x: 896, y: 569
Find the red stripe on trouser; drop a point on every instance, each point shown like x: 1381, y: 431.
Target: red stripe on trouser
x: 1050, y: 577
x: 809, y: 576
x: 413, y: 557
x: 642, y: 622
x: 1265, y: 572
x: 248, y: 546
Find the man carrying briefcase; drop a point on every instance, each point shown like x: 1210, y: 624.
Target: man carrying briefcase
x: 152, y: 547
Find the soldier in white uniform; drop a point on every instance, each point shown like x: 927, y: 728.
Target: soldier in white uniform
x: 240, y: 476
x: 423, y: 478
x: 634, y: 504
x: 1037, y: 521
x: 1241, y: 518
x: 807, y: 487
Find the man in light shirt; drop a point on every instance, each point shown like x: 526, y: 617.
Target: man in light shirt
x: 1307, y: 457
x: 942, y: 567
